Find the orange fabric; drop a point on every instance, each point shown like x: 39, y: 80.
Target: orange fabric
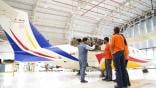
x: 107, y: 52
x: 117, y: 43
x: 126, y: 52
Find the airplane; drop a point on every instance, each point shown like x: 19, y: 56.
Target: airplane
x: 29, y: 45
x: 136, y: 60
x: 27, y: 42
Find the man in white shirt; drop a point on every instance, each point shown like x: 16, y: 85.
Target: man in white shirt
x: 83, y: 52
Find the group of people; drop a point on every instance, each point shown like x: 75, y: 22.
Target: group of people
x: 116, y: 50
x: 90, y: 41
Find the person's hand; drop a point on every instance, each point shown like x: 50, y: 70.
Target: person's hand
x: 93, y: 46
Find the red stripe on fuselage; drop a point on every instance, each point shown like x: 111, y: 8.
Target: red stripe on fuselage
x: 136, y: 60
x: 101, y: 55
x: 27, y: 48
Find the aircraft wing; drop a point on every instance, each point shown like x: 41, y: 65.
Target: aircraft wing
x: 63, y: 53
x: 68, y: 48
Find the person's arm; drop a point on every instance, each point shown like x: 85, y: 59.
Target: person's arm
x: 90, y: 48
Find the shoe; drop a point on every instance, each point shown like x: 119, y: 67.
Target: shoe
x: 104, y: 79
x: 117, y: 86
x: 85, y: 73
x: 102, y: 76
x: 84, y: 81
x: 78, y: 74
x: 129, y: 84
x: 114, y: 80
x: 109, y: 80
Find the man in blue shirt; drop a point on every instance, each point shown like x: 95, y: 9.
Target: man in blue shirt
x: 83, y: 51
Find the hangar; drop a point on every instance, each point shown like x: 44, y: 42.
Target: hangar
x: 39, y: 47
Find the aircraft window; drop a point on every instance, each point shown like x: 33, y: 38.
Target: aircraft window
x: 137, y: 51
x: 72, y: 54
x: 133, y: 51
x: 60, y: 57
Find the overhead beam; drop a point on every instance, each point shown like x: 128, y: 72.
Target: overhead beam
x: 108, y: 9
x: 92, y: 7
x: 34, y: 9
x: 90, y: 11
x: 51, y: 14
x: 21, y: 2
x: 143, y: 3
x: 112, y: 11
x: 62, y: 28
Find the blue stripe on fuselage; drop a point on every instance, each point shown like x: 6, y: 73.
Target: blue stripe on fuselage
x: 62, y: 53
x: 21, y: 55
x: 39, y: 37
x: 45, y: 44
x: 29, y: 58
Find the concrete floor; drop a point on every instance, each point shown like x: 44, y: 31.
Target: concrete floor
x: 70, y: 80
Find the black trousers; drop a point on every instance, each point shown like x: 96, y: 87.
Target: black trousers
x: 108, y: 67
x: 126, y: 62
x: 122, y: 77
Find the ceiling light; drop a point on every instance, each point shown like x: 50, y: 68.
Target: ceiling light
x: 46, y: 6
x: 127, y: 4
x: 79, y: 8
x: 132, y: 15
x: 152, y: 11
x: 118, y: 9
x: 47, y: 1
x: 94, y: 2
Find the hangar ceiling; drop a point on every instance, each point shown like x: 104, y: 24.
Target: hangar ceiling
x: 60, y: 20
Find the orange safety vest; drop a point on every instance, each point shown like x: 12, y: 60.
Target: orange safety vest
x: 107, y: 51
x: 117, y: 43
